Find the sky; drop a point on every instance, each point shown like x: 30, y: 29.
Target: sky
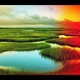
x: 25, y: 14
x: 70, y: 12
x: 38, y: 13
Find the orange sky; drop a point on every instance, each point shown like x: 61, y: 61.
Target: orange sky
x: 71, y: 12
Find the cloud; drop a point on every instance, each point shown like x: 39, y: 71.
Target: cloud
x: 5, y: 9
x: 8, y: 17
x: 24, y: 18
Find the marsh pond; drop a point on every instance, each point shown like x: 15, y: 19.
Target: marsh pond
x: 28, y: 61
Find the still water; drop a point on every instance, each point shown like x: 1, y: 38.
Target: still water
x: 28, y: 61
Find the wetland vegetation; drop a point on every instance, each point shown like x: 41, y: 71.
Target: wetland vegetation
x: 43, y: 39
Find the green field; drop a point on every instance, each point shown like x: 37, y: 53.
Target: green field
x: 20, y: 39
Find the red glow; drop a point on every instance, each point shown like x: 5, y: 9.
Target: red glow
x: 70, y: 28
x: 75, y: 42
x: 67, y: 24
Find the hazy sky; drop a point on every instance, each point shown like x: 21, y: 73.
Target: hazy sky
x: 40, y: 10
x: 25, y: 13
x: 23, y: 10
x: 36, y: 13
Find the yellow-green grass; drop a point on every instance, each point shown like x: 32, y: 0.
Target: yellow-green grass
x: 24, y: 46
x: 61, y: 53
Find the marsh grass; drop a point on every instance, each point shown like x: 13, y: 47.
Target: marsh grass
x: 21, y: 39
x: 60, y: 53
x: 14, y: 72
x: 26, y: 46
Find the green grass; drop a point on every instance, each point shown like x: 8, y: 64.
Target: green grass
x: 26, y: 34
x: 60, y: 53
x: 17, y: 72
x: 21, y: 39
x: 24, y: 46
x: 19, y: 36
x: 52, y: 53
